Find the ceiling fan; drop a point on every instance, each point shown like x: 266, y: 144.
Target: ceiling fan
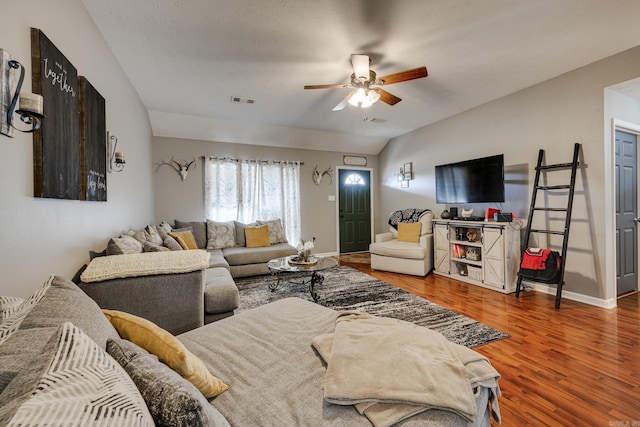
x: 366, y: 85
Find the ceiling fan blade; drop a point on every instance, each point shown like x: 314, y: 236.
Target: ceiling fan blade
x: 403, y: 76
x: 344, y: 102
x: 360, y: 66
x: 387, y: 97
x: 325, y: 86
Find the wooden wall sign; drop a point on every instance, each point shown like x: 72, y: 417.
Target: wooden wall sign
x: 56, y: 147
x: 93, y: 143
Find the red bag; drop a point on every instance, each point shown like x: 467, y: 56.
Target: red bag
x: 540, y: 265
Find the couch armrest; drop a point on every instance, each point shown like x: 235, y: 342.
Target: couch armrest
x: 384, y: 237
x: 174, y: 302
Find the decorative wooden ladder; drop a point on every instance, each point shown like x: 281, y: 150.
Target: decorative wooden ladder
x: 533, y: 209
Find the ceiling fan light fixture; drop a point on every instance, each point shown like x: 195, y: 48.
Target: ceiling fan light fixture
x: 358, y: 98
x: 373, y: 96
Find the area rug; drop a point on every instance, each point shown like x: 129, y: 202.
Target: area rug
x: 345, y: 288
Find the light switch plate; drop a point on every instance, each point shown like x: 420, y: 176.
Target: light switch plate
x: 332, y: 198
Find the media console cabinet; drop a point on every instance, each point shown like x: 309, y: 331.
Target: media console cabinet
x: 483, y: 253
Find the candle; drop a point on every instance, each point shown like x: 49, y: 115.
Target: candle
x: 119, y: 157
x: 31, y: 102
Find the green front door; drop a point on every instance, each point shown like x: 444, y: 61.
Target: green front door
x: 354, y: 193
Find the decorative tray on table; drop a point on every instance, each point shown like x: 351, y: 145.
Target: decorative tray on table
x: 311, y: 261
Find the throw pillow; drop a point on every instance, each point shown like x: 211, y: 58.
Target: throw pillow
x: 220, y: 235
x: 409, y: 231
x: 13, y: 320
x: 241, y: 240
x: 168, y: 349
x: 276, y: 231
x: 257, y: 237
x: 172, y: 400
x: 199, y: 229
x: 150, y: 247
x: 8, y: 305
x: 123, y: 245
x: 172, y: 244
x: 185, y: 239
x: 74, y: 383
x: 152, y: 236
x: 165, y: 227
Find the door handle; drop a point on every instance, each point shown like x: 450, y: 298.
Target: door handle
x: 636, y: 219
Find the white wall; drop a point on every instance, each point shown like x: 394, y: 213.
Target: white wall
x: 40, y: 237
x: 553, y: 116
x: 175, y: 199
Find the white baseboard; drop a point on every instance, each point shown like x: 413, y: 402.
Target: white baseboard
x: 328, y: 254
x: 598, y: 302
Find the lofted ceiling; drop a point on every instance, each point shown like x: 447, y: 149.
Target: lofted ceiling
x: 188, y: 58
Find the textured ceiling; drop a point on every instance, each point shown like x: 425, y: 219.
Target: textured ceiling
x: 187, y: 59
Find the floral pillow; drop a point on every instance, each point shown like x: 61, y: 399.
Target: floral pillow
x: 276, y: 231
x: 220, y: 235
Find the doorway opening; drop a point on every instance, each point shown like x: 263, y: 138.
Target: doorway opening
x: 354, y: 209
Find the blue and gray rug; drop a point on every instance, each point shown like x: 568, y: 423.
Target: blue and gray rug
x: 345, y: 288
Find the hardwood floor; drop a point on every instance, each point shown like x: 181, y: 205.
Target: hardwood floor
x: 576, y: 366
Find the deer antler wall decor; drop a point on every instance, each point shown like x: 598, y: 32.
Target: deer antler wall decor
x: 182, y: 167
x: 317, y: 176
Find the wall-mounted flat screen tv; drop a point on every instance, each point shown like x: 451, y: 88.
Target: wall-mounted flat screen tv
x: 471, y: 181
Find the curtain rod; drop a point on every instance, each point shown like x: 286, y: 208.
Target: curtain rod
x: 249, y: 160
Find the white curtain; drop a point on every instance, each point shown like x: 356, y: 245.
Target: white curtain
x: 251, y: 190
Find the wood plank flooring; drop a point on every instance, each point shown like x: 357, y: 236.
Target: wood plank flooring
x: 576, y: 366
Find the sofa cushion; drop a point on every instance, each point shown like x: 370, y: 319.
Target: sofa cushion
x: 217, y: 259
x: 73, y: 382
x: 172, y: 400
x: 242, y: 256
x: 276, y: 231
x: 220, y: 292
x: 409, y: 231
x: 239, y: 227
x: 220, y: 234
x: 185, y: 238
x: 396, y: 248
x: 199, y: 229
x: 257, y: 237
x: 168, y: 349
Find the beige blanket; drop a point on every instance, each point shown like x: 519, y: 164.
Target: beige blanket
x: 391, y: 369
x: 144, y: 264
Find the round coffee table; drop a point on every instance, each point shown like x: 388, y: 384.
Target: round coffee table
x: 284, y: 265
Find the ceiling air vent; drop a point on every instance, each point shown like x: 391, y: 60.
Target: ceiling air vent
x: 242, y: 100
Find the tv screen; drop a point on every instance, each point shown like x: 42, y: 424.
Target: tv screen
x: 471, y: 181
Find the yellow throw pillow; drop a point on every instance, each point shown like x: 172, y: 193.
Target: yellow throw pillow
x: 167, y: 349
x: 409, y: 231
x: 185, y: 239
x: 257, y: 237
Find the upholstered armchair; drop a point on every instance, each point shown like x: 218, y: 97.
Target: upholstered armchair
x: 393, y: 250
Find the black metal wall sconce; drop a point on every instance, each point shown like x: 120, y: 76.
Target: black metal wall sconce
x: 29, y: 106
x: 116, y: 158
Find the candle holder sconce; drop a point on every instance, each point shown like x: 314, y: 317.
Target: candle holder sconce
x: 116, y: 158
x: 27, y: 105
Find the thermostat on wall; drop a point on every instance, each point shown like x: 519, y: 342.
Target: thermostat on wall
x: 354, y: 160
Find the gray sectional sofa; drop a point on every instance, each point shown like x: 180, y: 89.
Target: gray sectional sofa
x: 184, y: 301
x: 264, y: 355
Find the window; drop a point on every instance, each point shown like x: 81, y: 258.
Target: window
x: 250, y: 190
x: 354, y: 179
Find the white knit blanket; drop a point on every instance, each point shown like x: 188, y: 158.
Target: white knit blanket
x: 144, y: 264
